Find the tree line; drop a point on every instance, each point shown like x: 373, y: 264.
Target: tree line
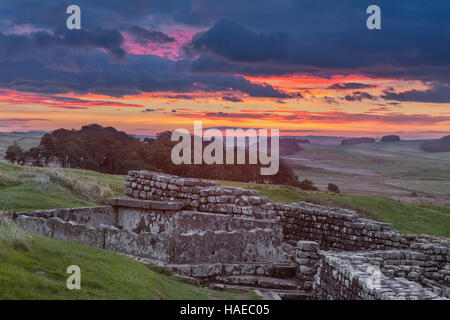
x: 107, y: 150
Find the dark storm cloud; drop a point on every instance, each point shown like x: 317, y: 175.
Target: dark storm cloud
x: 14, y: 46
x: 144, y: 36
x: 404, y: 40
x: 232, y: 99
x: 236, y: 115
x: 95, y: 73
x: 234, y: 41
x: 437, y: 93
x: 359, y: 96
x: 350, y: 86
x: 266, y: 37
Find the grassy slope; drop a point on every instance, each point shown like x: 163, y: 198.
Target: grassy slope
x: 407, y: 218
x: 24, y: 188
x: 38, y: 271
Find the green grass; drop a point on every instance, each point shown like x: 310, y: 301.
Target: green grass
x: 31, y: 188
x: 405, y: 217
x: 34, y: 267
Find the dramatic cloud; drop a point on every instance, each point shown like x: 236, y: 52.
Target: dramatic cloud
x: 359, y: 96
x: 204, y: 54
x: 14, y: 46
x: 237, y: 43
x: 236, y: 115
x: 11, y: 121
x: 438, y: 93
x: 94, y: 73
x: 15, y: 98
x: 144, y: 36
x: 232, y: 99
x: 350, y: 86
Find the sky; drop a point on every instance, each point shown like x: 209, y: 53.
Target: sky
x: 305, y: 67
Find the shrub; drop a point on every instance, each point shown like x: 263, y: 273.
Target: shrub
x: 90, y: 191
x: 13, y: 235
x: 307, y: 185
x: 333, y: 188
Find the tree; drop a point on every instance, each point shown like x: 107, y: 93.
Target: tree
x: 333, y: 188
x: 307, y: 185
x: 15, y: 154
x: 108, y: 150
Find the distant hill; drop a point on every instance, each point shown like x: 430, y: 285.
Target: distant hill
x: 303, y: 141
x: 26, y: 140
x: 435, y: 146
x: 289, y: 146
x: 323, y: 140
x: 390, y: 138
x: 355, y: 141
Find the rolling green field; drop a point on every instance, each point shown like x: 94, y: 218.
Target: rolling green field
x: 399, y: 170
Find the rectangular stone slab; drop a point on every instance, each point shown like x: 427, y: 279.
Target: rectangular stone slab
x: 147, y: 204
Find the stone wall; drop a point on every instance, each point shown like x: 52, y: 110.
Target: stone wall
x: 307, y: 257
x: 245, y: 240
x: 143, y: 215
x: 199, y: 195
x: 331, y: 227
x: 92, y: 216
x: 420, y: 272
x: 335, y: 228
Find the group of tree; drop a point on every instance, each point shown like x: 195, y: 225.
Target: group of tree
x: 434, y: 146
x: 108, y: 150
x: 390, y: 138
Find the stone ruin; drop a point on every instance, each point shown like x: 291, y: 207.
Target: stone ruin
x: 227, y: 237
